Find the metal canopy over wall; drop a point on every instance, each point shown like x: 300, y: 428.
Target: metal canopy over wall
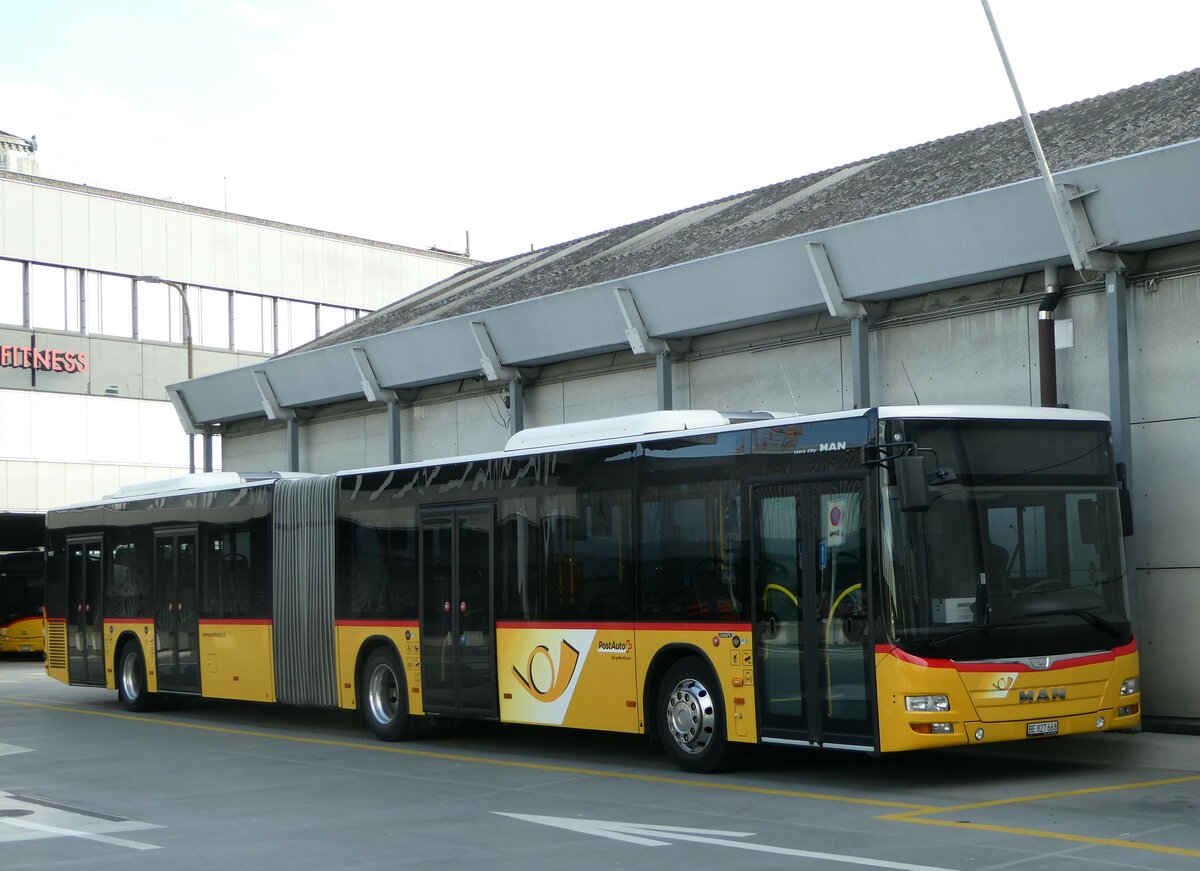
x: 1141, y: 202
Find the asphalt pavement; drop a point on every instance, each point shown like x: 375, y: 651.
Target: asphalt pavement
x: 1176, y: 751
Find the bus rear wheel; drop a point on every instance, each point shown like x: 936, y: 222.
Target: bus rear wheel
x: 383, y: 700
x: 691, y: 717
x: 131, y: 678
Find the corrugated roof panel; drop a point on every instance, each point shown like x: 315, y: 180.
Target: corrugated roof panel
x: 947, y: 213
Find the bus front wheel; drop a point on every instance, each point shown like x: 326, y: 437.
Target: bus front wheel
x: 691, y: 717
x: 384, y: 702
x: 131, y: 678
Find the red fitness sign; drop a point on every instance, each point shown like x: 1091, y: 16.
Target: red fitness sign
x: 44, y: 359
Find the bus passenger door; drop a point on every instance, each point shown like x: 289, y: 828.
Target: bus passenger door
x: 85, y: 625
x: 845, y: 653
x: 458, y: 652
x: 808, y: 564
x: 777, y: 566
x: 176, y: 623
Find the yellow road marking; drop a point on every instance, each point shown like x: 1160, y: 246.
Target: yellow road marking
x: 381, y: 747
x: 1057, y: 836
x: 1070, y: 793
x: 923, y: 817
x: 911, y: 813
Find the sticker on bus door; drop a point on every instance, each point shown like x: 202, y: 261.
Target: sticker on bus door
x: 835, y: 521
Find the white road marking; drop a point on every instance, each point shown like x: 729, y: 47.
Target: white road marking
x: 660, y: 836
x: 10, y: 749
x: 29, y: 818
x: 72, y: 833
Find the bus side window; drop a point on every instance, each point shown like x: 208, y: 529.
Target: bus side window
x: 229, y: 577
x: 690, y: 557
x: 125, y: 593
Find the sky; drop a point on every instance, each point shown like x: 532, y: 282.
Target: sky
x: 531, y: 123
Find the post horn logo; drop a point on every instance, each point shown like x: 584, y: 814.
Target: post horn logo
x: 554, y: 681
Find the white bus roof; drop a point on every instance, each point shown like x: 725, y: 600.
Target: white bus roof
x: 196, y: 482
x: 655, y: 423
x: 626, y: 426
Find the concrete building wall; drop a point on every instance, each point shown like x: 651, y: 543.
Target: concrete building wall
x: 262, y: 451
x: 39, y: 485
x: 1082, y: 367
x: 1164, y: 357
x: 329, y: 446
x: 115, y: 366
x: 982, y: 357
x: 801, y: 377
x: 54, y: 222
x: 69, y: 255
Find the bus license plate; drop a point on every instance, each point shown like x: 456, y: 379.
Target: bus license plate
x: 1035, y: 730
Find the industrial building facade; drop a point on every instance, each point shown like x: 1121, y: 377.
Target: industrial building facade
x: 924, y: 276
x: 92, y: 326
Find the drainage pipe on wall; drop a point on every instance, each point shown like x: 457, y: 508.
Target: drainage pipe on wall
x: 1047, y: 365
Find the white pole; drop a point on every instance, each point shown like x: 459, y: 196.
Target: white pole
x: 1061, y: 210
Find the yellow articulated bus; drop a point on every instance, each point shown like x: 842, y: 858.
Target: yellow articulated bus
x: 22, y: 582
x: 877, y: 580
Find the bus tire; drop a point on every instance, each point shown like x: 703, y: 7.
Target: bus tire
x: 384, y: 698
x: 691, y: 717
x: 131, y: 678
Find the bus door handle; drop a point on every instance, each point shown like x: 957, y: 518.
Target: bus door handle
x: 462, y: 607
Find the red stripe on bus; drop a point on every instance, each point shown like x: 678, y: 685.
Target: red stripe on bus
x: 235, y: 621
x: 582, y: 624
x: 411, y: 624
x: 1102, y: 656
x: 693, y: 627
x: 56, y: 619
x: 628, y: 627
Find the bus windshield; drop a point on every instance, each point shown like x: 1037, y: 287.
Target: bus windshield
x: 1019, y: 555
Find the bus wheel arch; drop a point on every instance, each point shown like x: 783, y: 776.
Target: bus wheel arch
x: 688, y: 709
x: 129, y: 667
x: 382, y: 691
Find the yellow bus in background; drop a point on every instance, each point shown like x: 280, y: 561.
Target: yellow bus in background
x: 875, y: 580
x: 22, y: 591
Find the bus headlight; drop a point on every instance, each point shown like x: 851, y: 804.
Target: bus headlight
x: 1131, y: 686
x: 926, y: 704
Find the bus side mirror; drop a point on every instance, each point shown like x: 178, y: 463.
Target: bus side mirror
x: 1126, y: 502
x: 912, y: 483
x: 1126, y: 512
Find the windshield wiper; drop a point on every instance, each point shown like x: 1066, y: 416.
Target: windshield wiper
x: 943, y: 640
x: 1084, y: 614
